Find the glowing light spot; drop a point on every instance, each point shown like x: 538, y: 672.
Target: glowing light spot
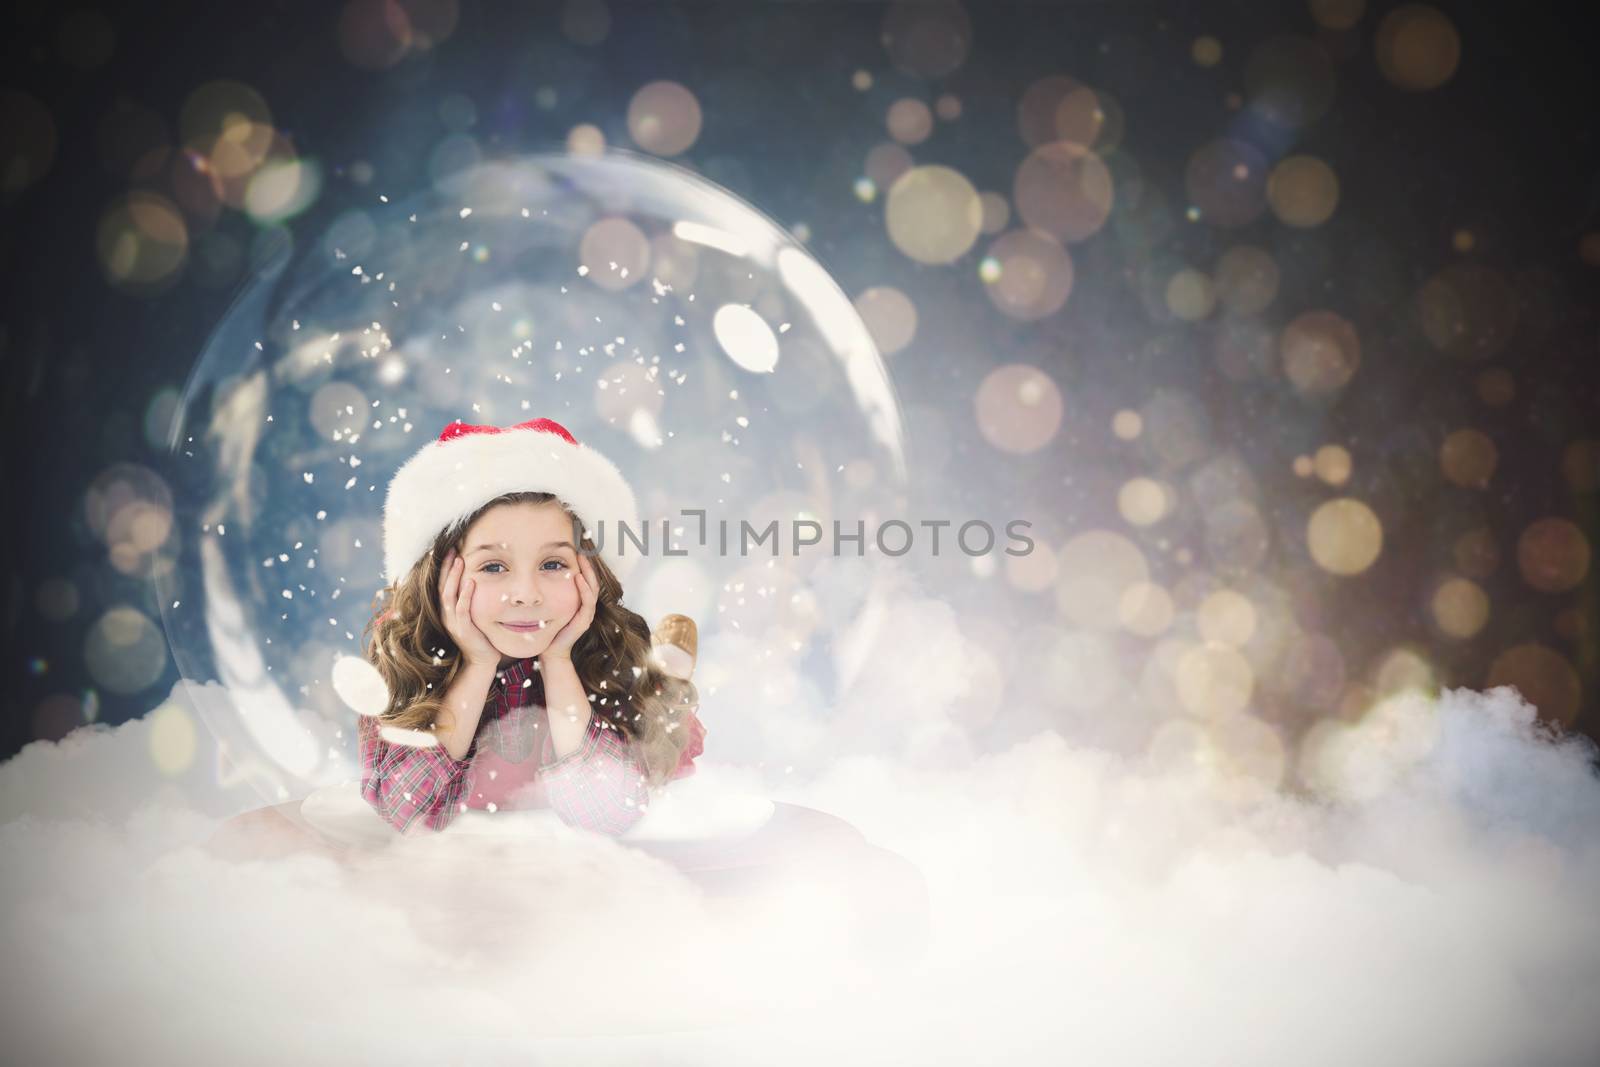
x: 1417, y: 47
x: 615, y: 253
x: 1190, y: 295
x: 1206, y: 51
x: 1127, y: 424
x: 1144, y: 501
x: 1344, y: 536
x: 890, y: 316
x: 1321, y: 352
x: 124, y: 651
x: 1065, y: 190
x: 1553, y: 555
x: 1096, y: 568
x: 1214, y: 681
x: 927, y: 40
x: 1303, y: 191
x: 1332, y: 464
x: 173, y: 740
x: 664, y: 118
x: 1226, y: 617
x: 1460, y: 607
x: 1145, y: 609
x: 1468, y: 458
x: 746, y: 338
x: 1018, y: 408
x: 933, y: 214
x: 1034, y: 275
x: 909, y: 121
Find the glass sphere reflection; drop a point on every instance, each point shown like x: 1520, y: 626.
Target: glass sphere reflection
x: 658, y: 317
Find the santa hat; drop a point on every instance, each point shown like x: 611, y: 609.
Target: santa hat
x: 468, y: 466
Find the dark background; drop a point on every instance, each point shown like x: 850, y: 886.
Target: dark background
x: 1505, y: 151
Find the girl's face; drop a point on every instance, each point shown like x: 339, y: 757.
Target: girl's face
x: 523, y: 565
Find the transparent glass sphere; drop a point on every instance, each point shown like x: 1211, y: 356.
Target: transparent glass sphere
x: 661, y: 319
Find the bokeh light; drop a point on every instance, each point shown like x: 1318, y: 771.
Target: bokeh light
x: 1032, y: 274
x: 664, y: 118
x: 933, y: 214
x: 890, y: 315
x: 1543, y: 676
x: 1303, y: 191
x: 1065, y: 190
x: 909, y: 121
x: 1344, y: 536
x: 1321, y: 353
x: 1417, y: 47
x: 1460, y: 607
x: 927, y: 40
x: 1018, y: 408
x: 1553, y: 555
x: 1468, y: 458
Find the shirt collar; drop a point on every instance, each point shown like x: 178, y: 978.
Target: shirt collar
x: 513, y: 674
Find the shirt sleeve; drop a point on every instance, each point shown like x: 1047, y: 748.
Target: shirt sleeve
x: 598, y: 786
x: 409, y: 784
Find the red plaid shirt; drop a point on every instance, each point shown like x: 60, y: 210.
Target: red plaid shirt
x: 599, y: 786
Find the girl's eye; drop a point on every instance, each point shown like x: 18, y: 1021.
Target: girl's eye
x: 557, y: 562
x: 486, y: 566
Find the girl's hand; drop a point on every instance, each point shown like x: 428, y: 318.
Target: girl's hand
x: 589, y: 595
x: 455, y: 604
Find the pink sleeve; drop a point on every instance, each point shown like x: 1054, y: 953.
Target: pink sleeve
x: 599, y: 786
x: 402, y: 782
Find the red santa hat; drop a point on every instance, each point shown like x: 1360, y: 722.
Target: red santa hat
x: 468, y: 466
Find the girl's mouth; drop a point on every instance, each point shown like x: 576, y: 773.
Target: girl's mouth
x: 523, y: 628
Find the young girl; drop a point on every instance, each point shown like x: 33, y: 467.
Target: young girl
x: 501, y: 640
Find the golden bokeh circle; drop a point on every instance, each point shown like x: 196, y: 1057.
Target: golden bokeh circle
x: 664, y: 118
x: 1543, y: 677
x: 1214, y: 681
x: 909, y: 121
x: 1417, y: 47
x: 933, y: 214
x: 1063, y: 189
x: 1226, y: 617
x: 1321, y: 352
x: 1468, y: 458
x: 1553, y: 555
x: 1018, y: 408
x: 1033, y: 277
x: 1332, y: 463
x: 1460, y: 607
x: 890, y: 317
x: 1345, y: 536
x: 1143, y: 501
x: 1303, y: 191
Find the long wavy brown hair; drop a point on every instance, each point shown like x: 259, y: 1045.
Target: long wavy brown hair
x: 406, y: 640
